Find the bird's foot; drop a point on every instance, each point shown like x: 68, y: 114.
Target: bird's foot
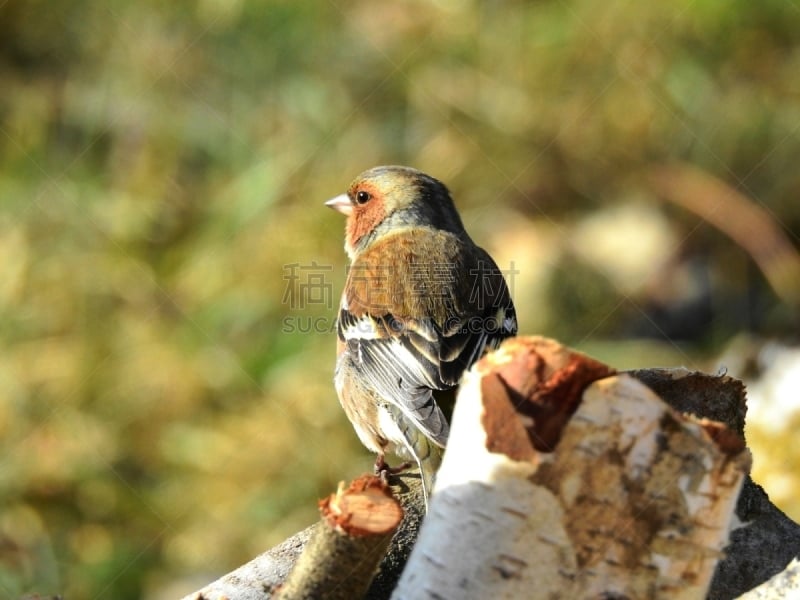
x: 383, y: 470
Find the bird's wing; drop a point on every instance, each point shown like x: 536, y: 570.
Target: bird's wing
x: 482, y: 318
x: 399, y: 366
x: 413, y: 325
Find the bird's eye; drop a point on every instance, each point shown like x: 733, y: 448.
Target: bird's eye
x: 362, y: 197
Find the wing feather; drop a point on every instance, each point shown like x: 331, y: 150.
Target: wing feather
x: 407, y: 340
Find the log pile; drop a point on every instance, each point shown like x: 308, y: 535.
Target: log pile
x: 562, y: 478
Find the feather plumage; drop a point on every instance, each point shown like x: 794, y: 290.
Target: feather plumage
x: 420, y: 305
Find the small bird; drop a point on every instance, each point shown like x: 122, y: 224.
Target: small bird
x: 421, y: 304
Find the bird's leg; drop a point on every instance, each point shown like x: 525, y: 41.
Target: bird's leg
x: 384, y: 470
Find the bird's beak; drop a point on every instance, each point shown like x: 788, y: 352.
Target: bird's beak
x: 341, y: 203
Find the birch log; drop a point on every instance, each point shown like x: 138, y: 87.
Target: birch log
x: 552, y: 489
x: 560, y: 488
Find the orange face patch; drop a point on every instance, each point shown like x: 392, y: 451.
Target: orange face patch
x: 365, y: 216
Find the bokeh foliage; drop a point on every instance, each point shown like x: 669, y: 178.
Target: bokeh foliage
x: 164, y: 413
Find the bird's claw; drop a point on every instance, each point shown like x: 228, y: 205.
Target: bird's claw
x: 383, y: 470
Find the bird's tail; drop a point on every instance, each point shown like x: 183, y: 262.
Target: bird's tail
x: 428, y: 466
x: 425, y: 452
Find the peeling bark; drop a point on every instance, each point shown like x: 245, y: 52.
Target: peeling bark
x: 635, y: 499
x: 563, y: 478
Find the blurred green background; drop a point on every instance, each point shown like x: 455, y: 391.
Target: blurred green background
x: 169, y: 276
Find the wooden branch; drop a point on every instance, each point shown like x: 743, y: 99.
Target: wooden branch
x: 606, y: 492
x: 342, y: 556
x: 260, y: 578
x: 552, y: 482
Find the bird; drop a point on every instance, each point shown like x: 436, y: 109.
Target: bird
x: 421, y: 304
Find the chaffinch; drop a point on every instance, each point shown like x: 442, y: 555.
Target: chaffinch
x: 421, y: 304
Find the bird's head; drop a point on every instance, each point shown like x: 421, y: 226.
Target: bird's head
x: 392, y: 198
